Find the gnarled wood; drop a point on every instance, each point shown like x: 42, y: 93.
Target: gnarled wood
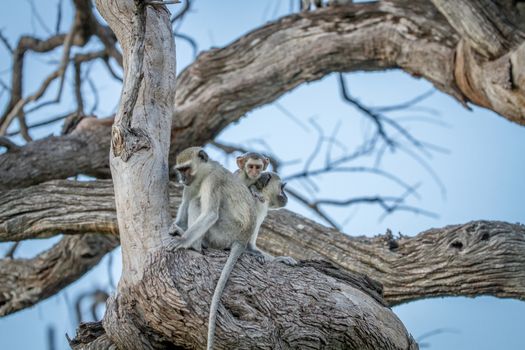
x: 482, y: 23
x: 222, y: 85
x: 265, y: 306
x: 141, y: 177
x: 25, y: 282
x: 472, y: 259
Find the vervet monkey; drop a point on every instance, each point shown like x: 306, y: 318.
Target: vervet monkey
x: 251, y: 164
x: 216, y: 210
x: 271, y: 189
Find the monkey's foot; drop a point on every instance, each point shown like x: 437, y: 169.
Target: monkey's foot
x: 261, y: 258
x: 288, y: 260
x: 175, y: 230
x: 181, y: 243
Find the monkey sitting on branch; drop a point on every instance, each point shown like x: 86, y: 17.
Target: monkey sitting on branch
x: 218, y: 211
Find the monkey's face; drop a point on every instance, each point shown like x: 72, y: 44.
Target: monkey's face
x: 253, y: 168
x: 282, y: 198
x: 184, y: 174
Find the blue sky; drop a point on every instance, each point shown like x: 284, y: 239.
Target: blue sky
x: 482, y: 171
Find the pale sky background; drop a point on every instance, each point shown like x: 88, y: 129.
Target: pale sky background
x: 482, y: 172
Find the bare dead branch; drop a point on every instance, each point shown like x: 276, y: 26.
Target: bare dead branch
x: 97, y: 296
x: 313, y: 206
x: 24, y: 282
x: 190, y: 41
x: 183, y: 11
x: 201, y: 83
x: 42, y: 123
x: 59, y: 73
x: 36, y: 15
x: 431, y: 261
x: 487, y: 28
x: 6, y: 43
x: 59, y: 16
x: 405, y: 105
x: 125, y: 140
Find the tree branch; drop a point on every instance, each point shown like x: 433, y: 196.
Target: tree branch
x: 482, y: 24
x: 472, y: 259
x: 213, y: 91
x: 25, y: 282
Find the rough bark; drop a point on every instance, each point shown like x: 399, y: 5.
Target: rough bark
x: 141, y: 131
x: 472, y: 259
x: 57, y: 207
x: 25, y: 282
x: 264, y: 306
x: 162, y: 297
x: 482, y: 24
x: 223, y: 84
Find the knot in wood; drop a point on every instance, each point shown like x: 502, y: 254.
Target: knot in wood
x: 127, y: 141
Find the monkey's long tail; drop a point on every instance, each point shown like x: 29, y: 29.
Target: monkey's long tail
x: 235, y: 253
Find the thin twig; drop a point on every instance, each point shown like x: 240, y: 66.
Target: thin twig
x: 6, y: 43
x: 182, y: 12
x: 60, y: 72
x: 190, y: 41
x: 314, y: 207
x: 59, y: 17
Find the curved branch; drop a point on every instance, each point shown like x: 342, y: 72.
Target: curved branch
x: 204, y: 97
x: 223, y: 84
x: 472, y: 259
x: 25, y: 282
x: 482, y: 23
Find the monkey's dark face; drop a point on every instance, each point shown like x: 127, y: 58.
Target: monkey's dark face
x: 184, y: 174
x: 253, y: 168
x: 282, y: 198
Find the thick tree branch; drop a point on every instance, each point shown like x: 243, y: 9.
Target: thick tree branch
x: 78, y: 152
x: 57, y: 207
x: 482, y: 24
x: 25, y: 282
x: 477, y: 258
x: 215, y: 91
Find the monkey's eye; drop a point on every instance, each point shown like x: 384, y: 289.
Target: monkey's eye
x: 183, y: 169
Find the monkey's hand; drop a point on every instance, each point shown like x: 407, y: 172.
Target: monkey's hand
x: 256, y: 194
x: 175, y: 230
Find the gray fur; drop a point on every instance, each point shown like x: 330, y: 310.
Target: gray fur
x: 272, y: 192
x: 217, y: 210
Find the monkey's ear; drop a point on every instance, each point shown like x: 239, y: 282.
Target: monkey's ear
x: 240, y: 161
x: 203, y: 155
x: 266, y: 161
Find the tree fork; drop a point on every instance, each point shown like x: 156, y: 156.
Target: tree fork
x: 162, y: 297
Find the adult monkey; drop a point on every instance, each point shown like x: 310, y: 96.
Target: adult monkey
x: 218, y: 210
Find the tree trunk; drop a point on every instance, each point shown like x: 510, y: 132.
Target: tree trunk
x: 162, y: 298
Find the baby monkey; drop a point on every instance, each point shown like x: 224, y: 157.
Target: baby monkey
x: 251, y: 165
